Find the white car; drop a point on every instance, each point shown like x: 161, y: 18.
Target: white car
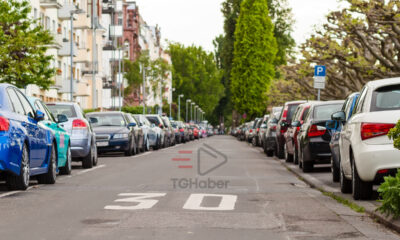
x: 366, y: 152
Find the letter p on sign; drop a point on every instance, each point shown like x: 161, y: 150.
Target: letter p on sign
x: 320, y: 71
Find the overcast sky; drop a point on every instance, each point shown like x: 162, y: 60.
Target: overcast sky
x: 200, y: 21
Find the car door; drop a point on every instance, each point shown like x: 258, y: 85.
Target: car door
x: 37, y: 133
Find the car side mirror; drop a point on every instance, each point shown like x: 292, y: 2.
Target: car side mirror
x: 331, y: 124
x: 93, y: 120
x: 339, y: 116
x: 61, y: 118
x: 161, y: 126
x: 39, y: 115
x: 132, y: 124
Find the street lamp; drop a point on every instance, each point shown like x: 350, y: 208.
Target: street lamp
x: 191, y: 111
x: 72, y: 12
x: 195, y: 113
x: 187, y: 101
x: 179, y: 106
x: 170, y: 103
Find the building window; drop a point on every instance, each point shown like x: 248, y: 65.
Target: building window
x: 47, y: 23
x: 120, y: 19
x: 65, y: 32
x: 35, y: 13
x: 54, y: 27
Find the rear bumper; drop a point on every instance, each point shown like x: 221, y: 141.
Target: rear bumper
x: 115, y: 146
x: 317, y: 150
x: 9, y: 159
x: 80, y: 147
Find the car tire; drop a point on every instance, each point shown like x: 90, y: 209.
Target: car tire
x: 345, y: 184
x: 131, y: 149
x: 157, y: 145
x: 279, y: 152
x: 361, y: 190
x: 67, y: 169
x: 143, y: 148
x: 20, y: 182
x: 254, y: 141
x: 295, y: 156
x: 87, y: 162
x: 50, y: 176
x: 307, y: 166
x: 288, y: 157
x: 300, y: 156
x: 95, y: 156
x: 335, y: 171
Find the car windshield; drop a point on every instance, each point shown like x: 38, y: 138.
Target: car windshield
x: 324, y: 112
x: 99, y: 120
x: 292, y: 109
x: 67, y: 110
x: 386, y: 99
x: 154, y: 120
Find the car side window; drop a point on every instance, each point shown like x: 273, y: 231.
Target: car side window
x: 26, y: 105
x: 360, y: 102
x: 16, y: 103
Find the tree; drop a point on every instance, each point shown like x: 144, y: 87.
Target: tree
x: 23, y: 44
x: 195, y: 74
x: 254, y: 56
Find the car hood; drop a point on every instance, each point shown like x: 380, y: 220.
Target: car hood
x: 110, y: 129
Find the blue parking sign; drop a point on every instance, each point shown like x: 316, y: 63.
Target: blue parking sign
x: 320, y: 71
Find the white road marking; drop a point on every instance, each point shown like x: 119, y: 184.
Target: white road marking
x: 141, y: 155
x: 15, y: 192
x: 89, y: 170
x: 227, y: 202
x: 139, y: 198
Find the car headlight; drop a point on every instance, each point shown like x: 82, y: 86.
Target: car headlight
x: 121, y: 135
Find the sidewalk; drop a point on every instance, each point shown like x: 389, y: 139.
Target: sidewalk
x: 321, y: 179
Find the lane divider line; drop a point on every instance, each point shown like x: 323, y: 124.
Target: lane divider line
x: 89, y: 170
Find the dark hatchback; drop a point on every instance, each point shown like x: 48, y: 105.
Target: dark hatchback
x: 269, y: 137
x: 284, y: 122
x: 335, y: 127
x: 313, y: 137
x: 114, y: 132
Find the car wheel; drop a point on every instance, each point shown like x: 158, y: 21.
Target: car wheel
x: 345, y: 184
x: 361, y: 190
x: 335, y: 171
x: 307, y: 166
x: 87, y: 162
x: 288, y: 157
x: 50, y: 176
x: 66, y: 170
x: 143, y: 148
x: 20, y: 182
x: 130, y: 150
x: 300, y: 156
x: 254, y: 142
x: 279, y: 152
x: 295, y: 156
x: 157, y: 145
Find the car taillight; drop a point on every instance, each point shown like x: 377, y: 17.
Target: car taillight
x: 78, y: 123
x: 371, y: 130
x: 176, y: 130
x: 297, y: 129
x: 285, y: 112
x: 316, y: 131
x: 273, y: 127
x: 251, y: 130
x: 258, y: 129
x: 4, y: 124
x: 181, y: 130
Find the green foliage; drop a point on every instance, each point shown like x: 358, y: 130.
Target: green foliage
x: 90, y: 110
x: 254, y: 56
x: 394, y: 134
x: 23, y: 46
x: 133, y: 109
x: 195, y: 74
x: 389, y: 192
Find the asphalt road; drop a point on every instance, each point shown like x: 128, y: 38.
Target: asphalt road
x: 215, y: 188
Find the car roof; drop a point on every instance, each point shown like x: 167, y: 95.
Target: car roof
x: 295, y: 102
x: 63, y: 103
x: 383, y: 82
x: 321, y: 103
x: 112, y: 112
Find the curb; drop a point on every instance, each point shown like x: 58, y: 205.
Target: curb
x: 389, y: 223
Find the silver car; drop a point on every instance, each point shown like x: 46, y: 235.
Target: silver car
x: 151, y: 133
x: 158, y: 125
x: 83, y: 143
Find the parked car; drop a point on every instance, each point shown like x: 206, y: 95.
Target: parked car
x: 291, y: 147
x: 262, y: 130
x: 139, y: 135
x: 158, y: 122
x: 62, y: 138
x: 152, y: 134
x: 114, y: 132
x: 366, y: 153
x: 313, y: 137
x: 190, y: 132
x: 28, y: 147
x: 170, y: 132
x: 336, y: 127
x: 256, y: 137
x: 249, y: 131
x: 269, y: 142
x: 83, y: 139
x: 284, y: 122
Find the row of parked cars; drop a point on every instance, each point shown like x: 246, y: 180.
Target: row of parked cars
x: 41, y: 140
x: 350, y: 135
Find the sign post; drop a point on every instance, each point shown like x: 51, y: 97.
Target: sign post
x: 319, y: 79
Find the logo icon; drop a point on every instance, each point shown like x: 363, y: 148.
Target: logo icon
x: 209, y: 159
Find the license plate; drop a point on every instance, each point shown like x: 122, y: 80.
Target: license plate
x: 102, y: 144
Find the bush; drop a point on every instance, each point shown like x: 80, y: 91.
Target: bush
x: 389, y: 191
x: 133, y: 109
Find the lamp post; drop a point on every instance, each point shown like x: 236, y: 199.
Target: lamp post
x: 191, y: 111
x: 179, y: 107
x: 187, y: 111
x: 170, y: 103
x: 72, y: 12
x: 195, y: 113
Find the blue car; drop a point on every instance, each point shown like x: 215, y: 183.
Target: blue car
x: 27, y: 149
x: 335, y: 128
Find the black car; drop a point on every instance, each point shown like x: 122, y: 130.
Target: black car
x: 269, y: 137
x: 285, y: 120
x: 313, y: 137
x: 114, y: 132
x: 138, y: 131
x: 336, y: 127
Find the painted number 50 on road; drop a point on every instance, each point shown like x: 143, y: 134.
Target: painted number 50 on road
x: 141, y: 201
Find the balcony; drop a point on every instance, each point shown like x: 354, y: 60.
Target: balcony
x: 64, y: 13
x: 65, y: 50
x: 58, y: 80
x: 88, y: 68
x: 82, y: 22
x: 82, y: 89
x: 57, y: 41
x: 116, y: 31
x: 51, y: 4
x: 66, y: 85
x: 82, y: 56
